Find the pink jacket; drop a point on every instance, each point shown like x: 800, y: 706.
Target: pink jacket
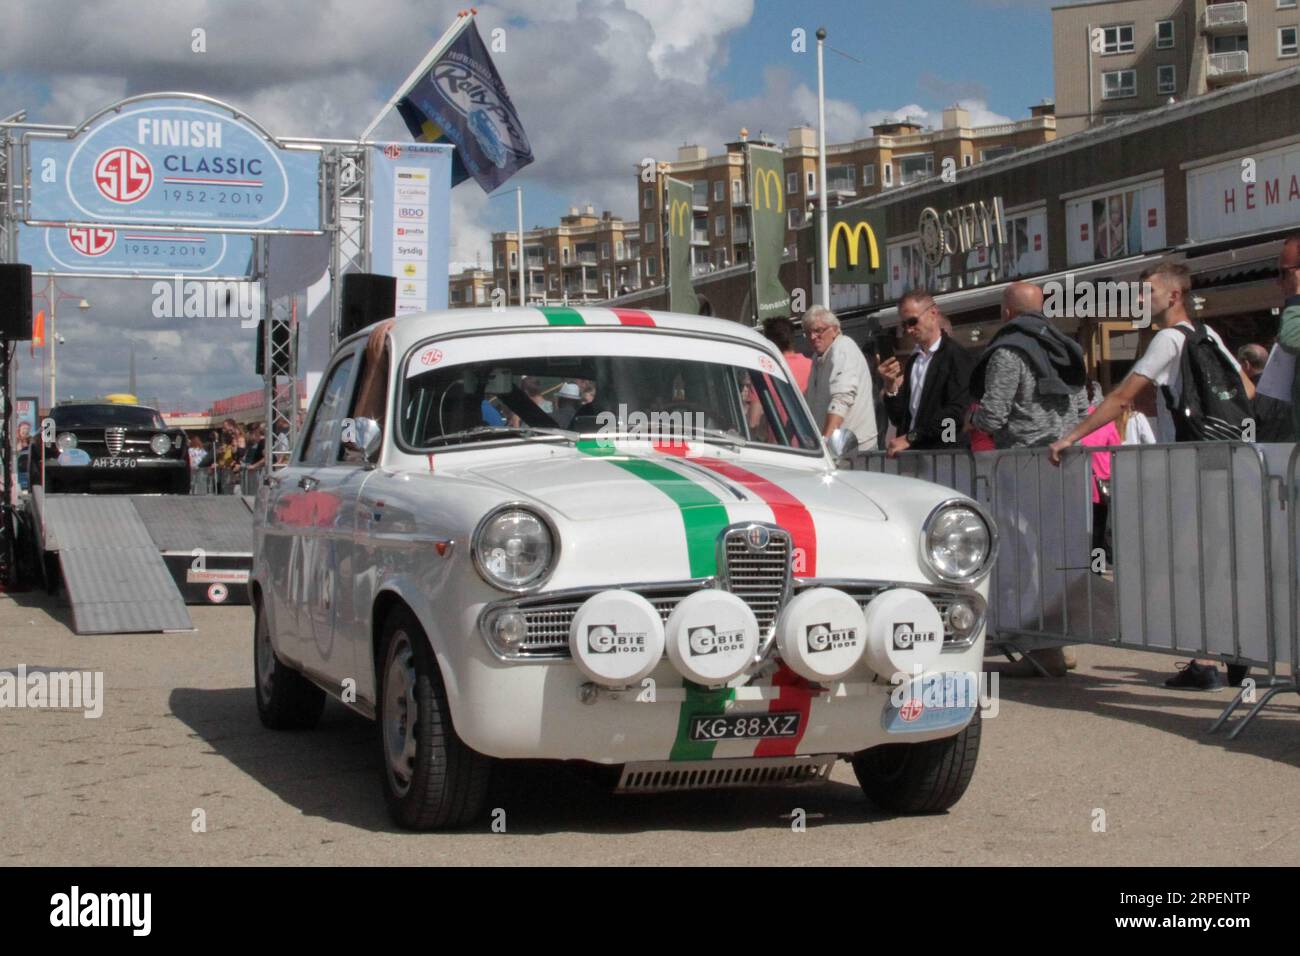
x: 1108, y: 434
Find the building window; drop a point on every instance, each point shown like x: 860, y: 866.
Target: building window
x: 914, y: 168
x: 604, y: 280
x: 1166, y: 78
x: 869, y: 174
x: 648, y: 199
x: 720, y: 259
x: 1118, y: 84
x: 651, y: 266
x: 1117, y: 39
x: 550, y: 254
x: 501, y: 261
x: 700, y: 192
x: 514, y: 259
x: 480, y: 295
x: 1231, y: 43
x: 1164, y: 34
x: 555, y: 283
x: 455, y: 296
x: 968, y: 160
x: 993, y: 152
x: 794, y: 218
x: 649, y: 234
x: 564, y: 252
x: 841, y: 178
x: 719, y: 191
x: 812, y: 184
x: 1288, y: 43
x: 604, y: 250
x: 1286, y: 4
x: 791, y: 183
x: 719, y: 225
x: 618, y: 249
x: 888, y: 169
x: 737, y: 192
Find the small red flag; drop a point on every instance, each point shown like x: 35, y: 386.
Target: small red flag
x: 38, y: 331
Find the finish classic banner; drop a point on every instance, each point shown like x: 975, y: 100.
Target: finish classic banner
x: 681, y: 222
x: 410, y: 221
x: 767, y: 214
x: 138, y: 253
x: 173, y: 161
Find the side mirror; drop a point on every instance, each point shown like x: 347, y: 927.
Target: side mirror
x: 365, y: 438
x: 842, y: 443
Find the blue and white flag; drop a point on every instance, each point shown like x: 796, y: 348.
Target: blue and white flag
x: 462, y: 100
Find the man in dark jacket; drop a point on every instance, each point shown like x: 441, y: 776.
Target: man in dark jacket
x: 927, y: 400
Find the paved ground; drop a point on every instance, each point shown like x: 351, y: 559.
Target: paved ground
x: 180, y: 733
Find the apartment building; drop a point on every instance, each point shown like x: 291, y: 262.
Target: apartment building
x: 470, y: 288
x: 586, y: 258
x: 1116, y: 58
x: 897, y: 153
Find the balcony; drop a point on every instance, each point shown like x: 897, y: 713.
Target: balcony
x: 700, y: 237
x: 535, y: 262
x: 1227, y: 67
x: 587, y: 258
x: 1225, y: 18
x: 740, y: 234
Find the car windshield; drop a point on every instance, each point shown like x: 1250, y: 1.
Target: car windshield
x: 107, y: 416
x: 741, y: 398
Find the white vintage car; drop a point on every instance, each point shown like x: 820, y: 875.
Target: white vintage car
x: 613, y: 536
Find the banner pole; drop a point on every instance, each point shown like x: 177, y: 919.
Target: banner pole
x: 753, y: 258
x: 822, y: 190
x: 463, y: 20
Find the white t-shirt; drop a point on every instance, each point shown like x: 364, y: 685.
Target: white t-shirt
x: 1162, y: 363
x: 1138, y: 430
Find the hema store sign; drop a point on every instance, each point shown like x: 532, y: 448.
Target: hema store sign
x: 1253, y: 192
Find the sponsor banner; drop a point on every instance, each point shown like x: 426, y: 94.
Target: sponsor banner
x: 93, y: 250
x: 1254, y: 192
x: 856, y: 252
x: 173, y: 161
x: 410, y: 219
x: 463, y: 101
x: 681, y: 219
x: 767, y: 213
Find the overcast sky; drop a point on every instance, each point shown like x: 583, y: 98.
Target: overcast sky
x: 599, y: 85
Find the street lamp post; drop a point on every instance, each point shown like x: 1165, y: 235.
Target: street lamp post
x: 519, y: 245
x: 823, y: 242
x: 52, y: 297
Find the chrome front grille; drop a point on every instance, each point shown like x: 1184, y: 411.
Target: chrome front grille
x: 113, y: 438
x: 754, y: 564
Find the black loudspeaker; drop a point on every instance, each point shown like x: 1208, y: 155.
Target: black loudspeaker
x: 281, y: 342
x: 367, y: 298
x: 15, y: 301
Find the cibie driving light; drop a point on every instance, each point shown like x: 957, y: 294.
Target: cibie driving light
x: 65, y: 441
x: 514, y: 549
x: 958, y: 542
x: 160, y: 443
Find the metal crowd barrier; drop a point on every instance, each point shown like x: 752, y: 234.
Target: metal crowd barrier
x: 1206, y: 550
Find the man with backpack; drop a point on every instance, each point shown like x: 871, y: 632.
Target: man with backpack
x: 1207, y: 397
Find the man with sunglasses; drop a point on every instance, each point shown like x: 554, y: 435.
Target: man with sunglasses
x: 927, y: 400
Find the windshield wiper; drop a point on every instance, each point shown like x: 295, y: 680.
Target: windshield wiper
x: 502, y: 431
x: 718, y: 435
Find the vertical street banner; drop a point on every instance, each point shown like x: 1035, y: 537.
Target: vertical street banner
x: 856, y: 251
x: 767, y: 215
x: 681, y: 221
x: 410, y: 221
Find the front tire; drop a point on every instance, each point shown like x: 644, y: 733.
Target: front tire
x: 285, y: 699
x: 431, y: 778
x: 927, y: 777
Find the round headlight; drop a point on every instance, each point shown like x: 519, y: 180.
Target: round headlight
x: 958, y: 542
x: 65, y: 441
x: 160, y: 444
x: 514, y: 549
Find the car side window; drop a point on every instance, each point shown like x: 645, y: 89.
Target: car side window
x: 323, y: 433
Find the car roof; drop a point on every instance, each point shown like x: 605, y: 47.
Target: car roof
x: 410, y: 329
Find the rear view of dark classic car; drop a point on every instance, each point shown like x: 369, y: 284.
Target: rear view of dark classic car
x: 106, y: 448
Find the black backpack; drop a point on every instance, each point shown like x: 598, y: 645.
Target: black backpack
x: 1213, y: 405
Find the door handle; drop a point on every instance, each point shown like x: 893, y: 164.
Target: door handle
x: 307, y: 483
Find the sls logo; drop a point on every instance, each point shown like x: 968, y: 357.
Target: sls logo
x: 392, y: 151
x: 123, y: 175
x: 431, y: 357
x: 911, y: 709
x: 91, y: 242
